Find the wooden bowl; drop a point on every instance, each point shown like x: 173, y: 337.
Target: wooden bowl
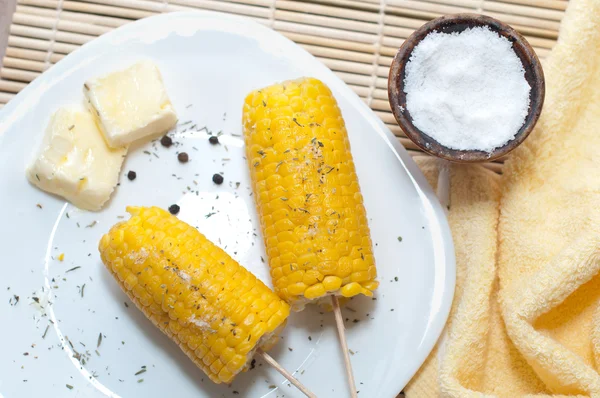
x: 457, y: 23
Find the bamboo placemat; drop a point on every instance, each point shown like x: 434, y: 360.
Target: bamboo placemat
x: 357, y: 39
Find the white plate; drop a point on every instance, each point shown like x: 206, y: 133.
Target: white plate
x: 209, y: 61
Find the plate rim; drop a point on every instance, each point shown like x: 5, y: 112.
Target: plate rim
x: 444, y: 271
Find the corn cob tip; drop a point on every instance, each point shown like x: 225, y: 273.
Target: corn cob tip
x: 134, y: 210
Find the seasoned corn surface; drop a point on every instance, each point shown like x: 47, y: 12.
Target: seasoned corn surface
x: 311, y: 210
x: 213, y: 308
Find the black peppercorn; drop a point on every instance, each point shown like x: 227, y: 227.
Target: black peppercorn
x: 131, y: 175
x: 166, y: 141
x: 183, y: 157
x: 174, y: 209
x: 217, y: 179
x: 213, y: 139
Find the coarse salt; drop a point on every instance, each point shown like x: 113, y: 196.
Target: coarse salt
x: 467, y: 90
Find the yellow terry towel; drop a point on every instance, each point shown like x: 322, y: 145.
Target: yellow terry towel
x: 528, y: 324
x: 473, y: 217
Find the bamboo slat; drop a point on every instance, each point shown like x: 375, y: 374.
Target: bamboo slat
x: 350, y: 78
x: 320, y: 31
x: 24, y: 64
x: 357, y: 39
x: 351, y: 4
x: 520, y: 20
x: 48, y: 34
x: 394, y: 20
x: 37, y: 44
x: 30, y: 55
x: 18, y: 75
x: 318, y: 20
x: 101, y: 20
x: 317, y: 9
x: 534, y: 12
x: 49, y: 4
x: 339, y: 54
x: 560, y: 5
x: 101, y: 9
x: 232, y: 8
x: 325, y: 42
x: 431, y: 8
x: 5, y: 97
x: 11, y: 87
x: 63, y: 25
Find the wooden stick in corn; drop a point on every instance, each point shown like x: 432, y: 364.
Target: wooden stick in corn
x: 269, y: 359
x: 214, y: 309
x: 339, y: 323
x: 311, y: 210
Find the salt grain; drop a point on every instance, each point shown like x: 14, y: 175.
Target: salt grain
x: 467, y: 90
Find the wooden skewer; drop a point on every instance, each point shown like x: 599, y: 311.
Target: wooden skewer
x: 339, y: 321
x: 269, y: 359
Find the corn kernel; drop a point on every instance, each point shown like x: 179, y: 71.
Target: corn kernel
x: 224, y: 375
x: 370, y: 285
x: 311, y: 277
x: 351, y: 289
x: 332, y: 283
x: 297, y: 288
x: 208, y: 359
x: 315, y: 291
x: 360, y: 265
x: 218, y: 346
x: 216, y: 366
x: 361, y: 276
x: 296, y: 276
x: 237, y: 362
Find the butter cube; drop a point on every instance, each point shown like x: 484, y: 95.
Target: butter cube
x: 75, y: 162
x: 131, y: 104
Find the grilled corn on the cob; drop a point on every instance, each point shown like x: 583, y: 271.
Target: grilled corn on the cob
x: 213, y: 308
x: 311, y: 210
